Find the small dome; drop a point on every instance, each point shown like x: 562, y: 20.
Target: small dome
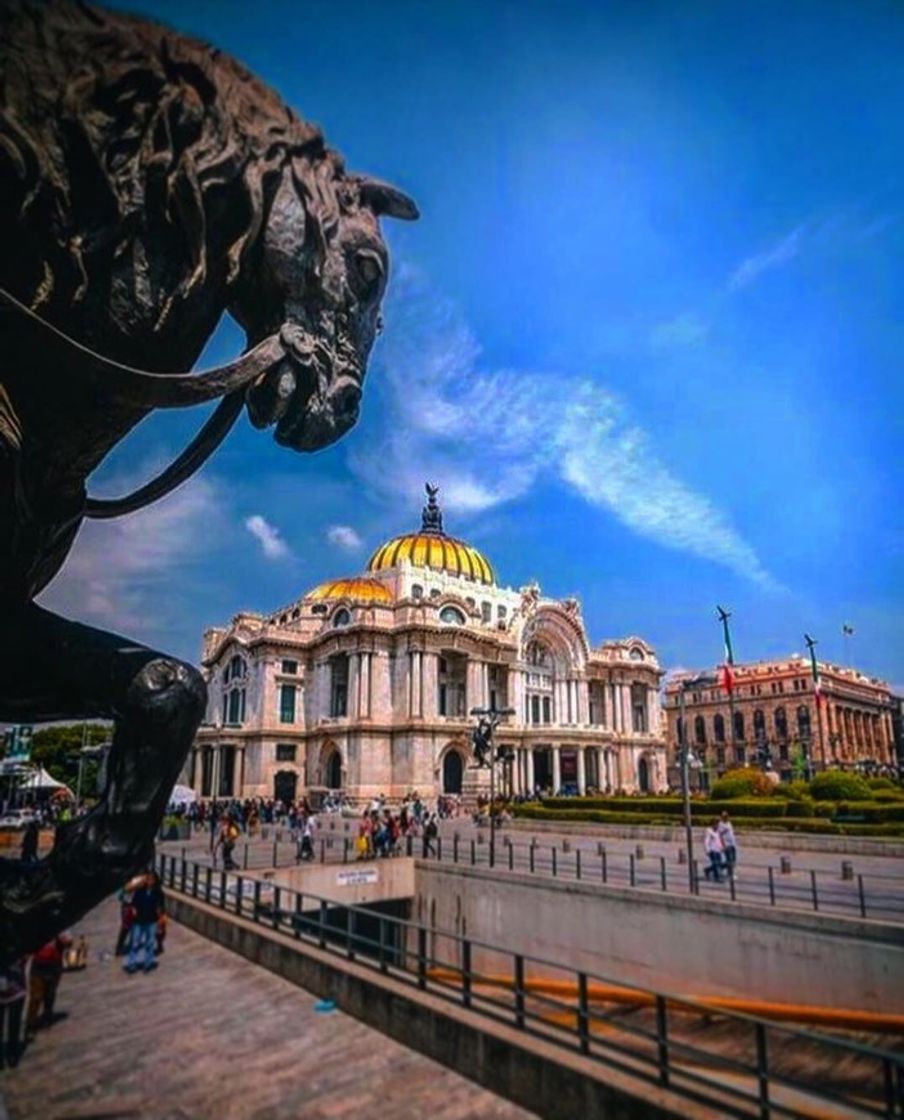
x: 432, y: 548
x: 358, y: 588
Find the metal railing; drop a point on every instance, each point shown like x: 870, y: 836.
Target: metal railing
x: 769, y: 1069
x: 843, y: 893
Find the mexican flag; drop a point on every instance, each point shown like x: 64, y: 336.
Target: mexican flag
x: 814, y: 672
x: 728, y: 677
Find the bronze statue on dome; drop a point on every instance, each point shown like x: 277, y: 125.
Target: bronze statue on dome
x: 432, y: 516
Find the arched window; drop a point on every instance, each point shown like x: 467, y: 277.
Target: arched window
x: 236, y: 669
x: 803, y: 722
x: 739, y: 726
x: 417, y: 592
x: 781, y: 723
x: 538, y: 655
x: 719, y: 727
x: 759, y: 726
x: 452, y: 616
x: 636, y: 653
x: 341, y: 617
x: 699, y: 729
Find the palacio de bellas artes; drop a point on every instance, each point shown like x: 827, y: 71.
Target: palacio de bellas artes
x: 365, y: 685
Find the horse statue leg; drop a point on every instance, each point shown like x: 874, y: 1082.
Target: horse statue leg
x: 52, y: 668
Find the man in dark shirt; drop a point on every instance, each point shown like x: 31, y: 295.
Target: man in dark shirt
x: 148, y: 905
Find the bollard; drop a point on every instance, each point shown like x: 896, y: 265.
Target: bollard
x: 600, y: 848
x: 345, y: 849
x: 631, y: 858
x: 566, y: 846
x: 682, y: 855
x: 847, y: 870
x: 785, y: 865
x: 638, y: 851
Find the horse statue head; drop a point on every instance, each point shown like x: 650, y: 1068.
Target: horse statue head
x: 148, y: 184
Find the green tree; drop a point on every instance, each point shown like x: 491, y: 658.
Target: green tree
x: 56, y: 747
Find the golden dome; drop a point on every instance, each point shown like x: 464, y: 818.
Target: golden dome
x: 358, y: 588
x: 431, y: 548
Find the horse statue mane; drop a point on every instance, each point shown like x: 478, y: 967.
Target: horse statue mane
x: 148, y: 183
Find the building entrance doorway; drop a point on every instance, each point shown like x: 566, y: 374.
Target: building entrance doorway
x: 453, y: 769
x: 542, y: 768
x: 334, y: 771
x: 285, y: 786
x: 643, y: 775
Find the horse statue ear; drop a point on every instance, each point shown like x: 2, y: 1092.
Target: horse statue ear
x: 385, y: 199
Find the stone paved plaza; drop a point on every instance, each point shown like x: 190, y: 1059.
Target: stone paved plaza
x: 210, y: 1035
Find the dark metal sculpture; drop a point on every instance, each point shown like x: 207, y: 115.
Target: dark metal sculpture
x: 148, y: 183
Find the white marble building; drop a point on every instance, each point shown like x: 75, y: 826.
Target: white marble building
x: 365, y: 684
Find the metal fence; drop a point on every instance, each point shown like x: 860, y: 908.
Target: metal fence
x: 772, y: 1070
x: 786, y: 885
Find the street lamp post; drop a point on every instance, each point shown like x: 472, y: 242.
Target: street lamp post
x: 482, y: 738
x: 686, y: 759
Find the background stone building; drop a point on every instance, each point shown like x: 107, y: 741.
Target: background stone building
x: 365, y: 684
x: 775, y: 707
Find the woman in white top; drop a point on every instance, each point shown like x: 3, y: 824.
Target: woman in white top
x: 712, y: 845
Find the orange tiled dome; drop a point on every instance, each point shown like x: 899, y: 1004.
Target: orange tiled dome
x: 433, y: 550
x: 359, y: 588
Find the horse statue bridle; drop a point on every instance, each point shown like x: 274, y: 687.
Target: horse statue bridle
x: 147, y: 390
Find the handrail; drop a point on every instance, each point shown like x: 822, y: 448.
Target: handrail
x: 672, y: 1062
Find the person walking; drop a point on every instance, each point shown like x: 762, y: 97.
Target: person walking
x: 149, y: 906
x: 44, y: 980
x: 729, y: 844
x: 431, y: 830
x: 306, y: 851
x: 712, y: 845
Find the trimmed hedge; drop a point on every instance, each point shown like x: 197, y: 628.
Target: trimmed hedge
x: 816, y: 825
x: 839, y: 785
x: 744, y: 782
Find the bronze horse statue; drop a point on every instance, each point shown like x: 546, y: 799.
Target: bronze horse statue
x: 148, y: 183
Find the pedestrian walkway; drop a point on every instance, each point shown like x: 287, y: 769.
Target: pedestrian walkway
x: 209, y: 1035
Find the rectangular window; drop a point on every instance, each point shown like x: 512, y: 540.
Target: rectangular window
x: 443, y: 701
x: 225, y: 707
x: 290, y: 668
x: 236, y: 705
x: 486, y: 611
x: 340, y: 700
x: 500, y: 613
x: 547, y: 709
x: 287, y: 703
x: 535, y: 709
x: 285, y: 752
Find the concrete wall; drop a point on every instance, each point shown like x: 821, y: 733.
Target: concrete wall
x: 686, y: 946
x: 350, y: 884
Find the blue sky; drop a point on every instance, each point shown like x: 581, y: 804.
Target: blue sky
x: 647, y: 335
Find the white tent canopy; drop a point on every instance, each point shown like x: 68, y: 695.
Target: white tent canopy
x: 182, y: 795
x: 40, y: 779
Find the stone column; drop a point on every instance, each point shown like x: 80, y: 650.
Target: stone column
x: 353, y: 706
x: 366, y: 666
x: 652, y: 712
x: 556, y: 770
x: 530, y: 770
x: 583, y: 687
x: 430, y: 677
x: 582, y: 773
x: 474, y: 685
x: 614, y: 707
x: 626, y: 708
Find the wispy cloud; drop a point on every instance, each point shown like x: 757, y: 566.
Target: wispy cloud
x: 489, y: 434
x: 681, y: 332
x: 782, y: 251
x: 268, y: 536
x: 120, y: 574
x: 839, y: 229
x: 345, y: 537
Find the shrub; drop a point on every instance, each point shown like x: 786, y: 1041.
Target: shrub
x: 792, y: 791
x: 882, y: 783
x: 802, y: 808
x: 745, y: 782
x: 837, y: 785
x: 886, y: 795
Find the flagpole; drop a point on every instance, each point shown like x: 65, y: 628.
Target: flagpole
x: 814, y: 669
x: 724, y: 616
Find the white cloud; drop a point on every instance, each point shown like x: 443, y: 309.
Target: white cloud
x: 268, y: 536
x: 345, y: 537
x: 487, y: 435
x: 130, y: 573
x: 784, y: 250
x: 682, y: 331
